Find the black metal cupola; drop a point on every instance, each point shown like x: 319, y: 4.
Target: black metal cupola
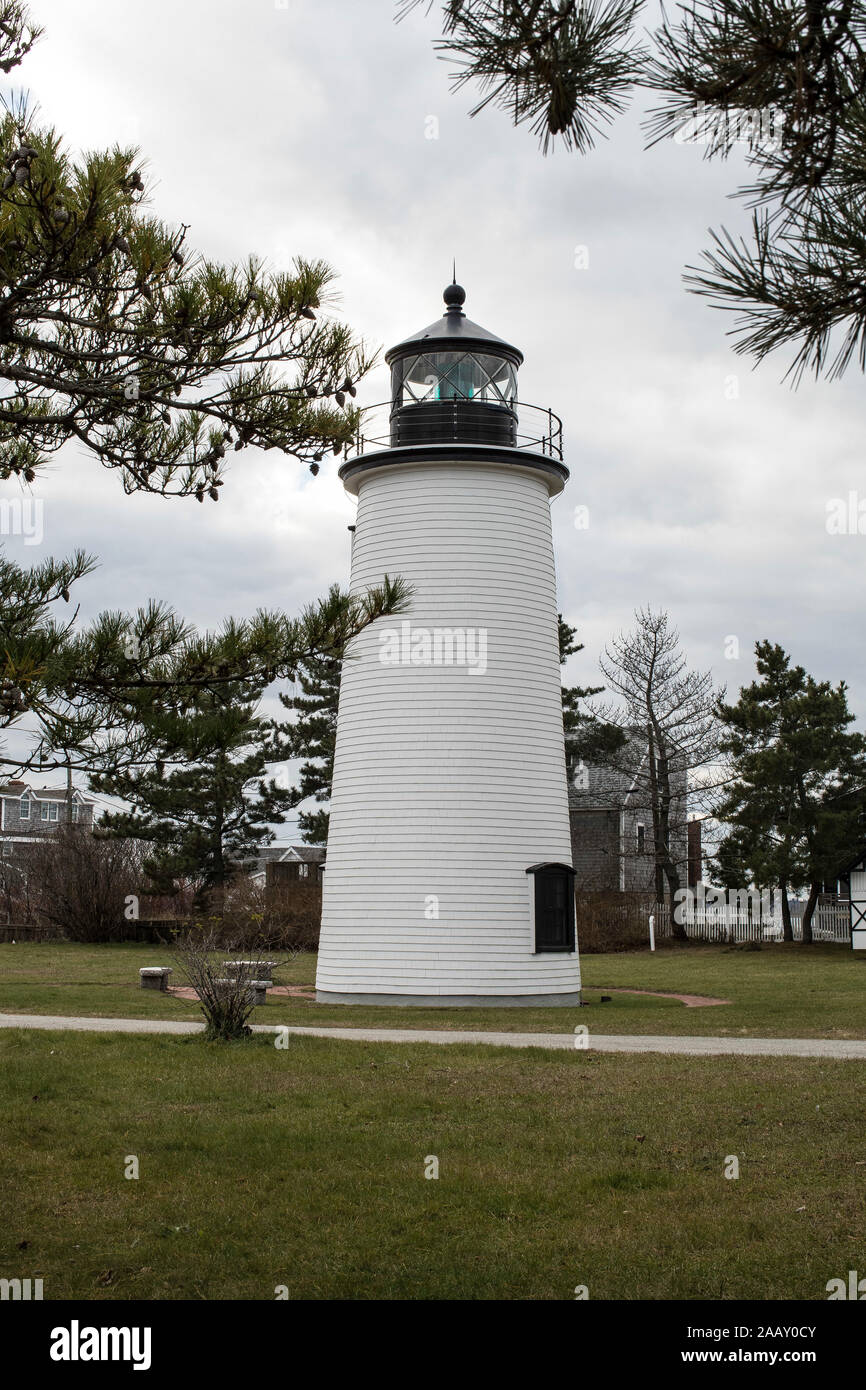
x: 454, y: 399
x: 454, y: 382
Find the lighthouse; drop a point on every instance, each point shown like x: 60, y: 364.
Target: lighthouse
x: 449, y: 877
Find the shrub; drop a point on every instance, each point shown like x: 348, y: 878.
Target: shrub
x: 608, y: 921
x: 225, y: 1002
x: 83, y: 881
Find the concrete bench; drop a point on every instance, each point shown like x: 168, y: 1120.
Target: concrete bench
x: 154, y: 977
x: 257, y: 990
x: 260, y: 969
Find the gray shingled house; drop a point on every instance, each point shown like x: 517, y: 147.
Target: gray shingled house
x: 27, y: 813
x: 612, y: 828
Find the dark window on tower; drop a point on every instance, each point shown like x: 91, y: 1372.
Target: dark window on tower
x: 553, y: 887
x: 641, y: 838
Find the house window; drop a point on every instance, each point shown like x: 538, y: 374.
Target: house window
x: 54, y: 810
x: 553, y: 895
x: 24, y: 807
x: 75, y: 809
x: 44, y: 811
x: 641, y: 838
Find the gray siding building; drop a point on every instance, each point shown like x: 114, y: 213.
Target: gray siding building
x: 27, y: 813
x: 610, y: 811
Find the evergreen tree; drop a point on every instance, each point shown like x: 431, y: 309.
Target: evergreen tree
x: 313, y: 736
x: 784, y: 79
x: 155, y: 360
x: 206, y: 802
x: 91, y: 698
x: 796, y: 800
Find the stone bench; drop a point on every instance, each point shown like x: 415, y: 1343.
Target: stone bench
x: 154, y: 977
x: 257, y: 990
x: 262, y: 969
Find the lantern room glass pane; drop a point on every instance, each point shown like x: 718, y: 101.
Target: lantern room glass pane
x: 444, y: 376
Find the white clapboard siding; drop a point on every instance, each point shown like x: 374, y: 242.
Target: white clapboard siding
x: 447, y: 784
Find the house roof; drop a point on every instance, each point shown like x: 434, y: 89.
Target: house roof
x: 280, y: 854
x: 17, y: 790
x: 308, y: 854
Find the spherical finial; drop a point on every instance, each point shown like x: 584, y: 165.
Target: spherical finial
x: 454, y: 296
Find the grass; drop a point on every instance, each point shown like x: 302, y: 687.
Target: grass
x: 779, y: 991
x: 305, y: 1168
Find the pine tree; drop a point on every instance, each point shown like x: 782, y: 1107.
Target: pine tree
x: 206, y: 802
x: 796, y: 800
x: 91, y: 698
x: 312, y: 736
x: 784, y: 79
x: 115, y: 334
x: 158, y: 363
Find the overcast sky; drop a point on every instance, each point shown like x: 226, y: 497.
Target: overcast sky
x: 304, y: 128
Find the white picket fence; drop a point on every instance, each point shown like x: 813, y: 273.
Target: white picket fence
x: 830, y: 922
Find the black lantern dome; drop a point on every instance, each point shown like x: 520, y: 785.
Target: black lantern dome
x: 454, y: 381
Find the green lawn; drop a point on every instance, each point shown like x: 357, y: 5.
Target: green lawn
x: 305, y: 1168
x: 779, y: 991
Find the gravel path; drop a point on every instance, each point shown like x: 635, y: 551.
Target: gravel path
x: 597, y: 1042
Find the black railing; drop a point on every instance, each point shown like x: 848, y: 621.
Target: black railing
x: 457, y: 421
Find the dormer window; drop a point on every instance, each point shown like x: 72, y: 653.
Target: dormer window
x: 44, y: 811
x: 553, y: 907
x: 54, y: 810
x: 24, y: 807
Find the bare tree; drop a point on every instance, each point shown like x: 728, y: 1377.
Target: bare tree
x: 669, y: 713
x: 84, y: 881
x: 17, y: 888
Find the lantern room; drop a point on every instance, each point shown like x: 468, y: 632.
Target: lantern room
x: 454, y: 381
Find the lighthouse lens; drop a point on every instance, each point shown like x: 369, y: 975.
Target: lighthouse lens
x: 448, y: 376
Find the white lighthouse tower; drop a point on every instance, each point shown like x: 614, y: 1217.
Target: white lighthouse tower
x: 448, y: 877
